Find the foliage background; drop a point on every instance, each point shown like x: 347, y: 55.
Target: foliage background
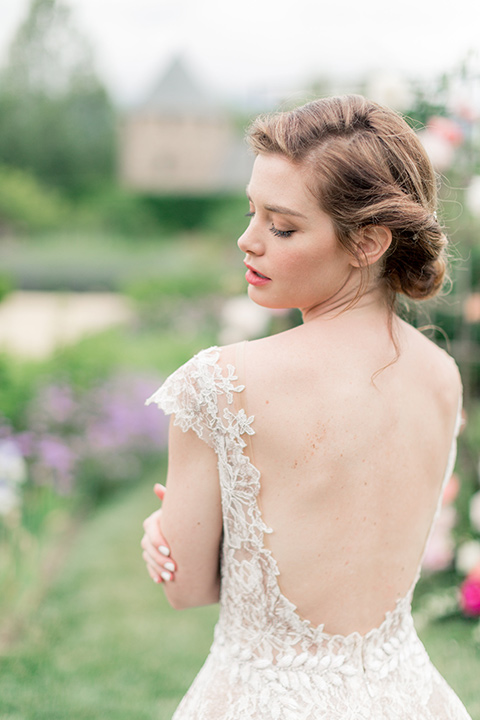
x: 82, y: 633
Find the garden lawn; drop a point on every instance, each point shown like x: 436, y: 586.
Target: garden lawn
x: 105, y: 645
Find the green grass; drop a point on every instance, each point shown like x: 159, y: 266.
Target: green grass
x: 453, y: 652
x: 104, y: 644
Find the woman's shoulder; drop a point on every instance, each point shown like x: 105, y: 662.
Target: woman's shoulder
x: 432, y: 365
x: 211, y: 371
x: 432, y: 352
x: 192, y: 393
x: 201, y: 368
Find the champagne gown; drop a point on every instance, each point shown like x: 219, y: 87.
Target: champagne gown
x: 266, y: 662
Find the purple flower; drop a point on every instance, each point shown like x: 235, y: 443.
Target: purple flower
x: 101, y: 435
x: 58, y: 459
x: 120, y: 420
x: 59, y: 403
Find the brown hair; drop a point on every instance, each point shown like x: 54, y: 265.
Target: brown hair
x: 368, y: 168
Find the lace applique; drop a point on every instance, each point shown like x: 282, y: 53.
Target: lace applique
x: 266, y: 662
x: 191, y: 394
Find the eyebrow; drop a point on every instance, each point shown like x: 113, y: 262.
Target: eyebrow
x: 280, y: 209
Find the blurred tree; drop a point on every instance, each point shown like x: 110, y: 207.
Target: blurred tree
x: 56, y: 119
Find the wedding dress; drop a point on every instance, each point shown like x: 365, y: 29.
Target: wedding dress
x: 266, y: 662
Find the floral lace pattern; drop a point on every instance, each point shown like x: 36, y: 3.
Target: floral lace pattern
x: 266, y: 662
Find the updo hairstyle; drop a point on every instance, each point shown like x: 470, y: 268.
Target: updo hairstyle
x: 368, y: 168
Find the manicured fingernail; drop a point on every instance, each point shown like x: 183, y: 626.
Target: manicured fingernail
x: 169, y: 566
x: 157, y: 579
x: 166, y: 576
x: 164, y: 550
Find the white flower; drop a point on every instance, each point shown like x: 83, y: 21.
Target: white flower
x: 13, y: 470
x: 472, y: 195
x: 439, y: 150
x: 9, y: 499
x: 242, y: 319
x: 391, y: 90
x: 475, y: 511
x: 468, y: 556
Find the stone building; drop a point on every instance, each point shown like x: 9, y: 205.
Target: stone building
x: 182, y: 141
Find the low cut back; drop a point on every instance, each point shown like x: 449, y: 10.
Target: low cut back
x: 267, y: 662
x: 351, y: 464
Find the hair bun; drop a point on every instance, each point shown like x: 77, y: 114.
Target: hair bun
x: 419, y: 280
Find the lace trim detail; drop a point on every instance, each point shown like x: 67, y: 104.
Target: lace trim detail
x: 267, y: 662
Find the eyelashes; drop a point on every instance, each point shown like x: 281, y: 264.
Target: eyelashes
x: 275, y: 231
x: 281, y: 233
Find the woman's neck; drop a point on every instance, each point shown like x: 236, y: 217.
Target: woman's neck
x: 351, y: 296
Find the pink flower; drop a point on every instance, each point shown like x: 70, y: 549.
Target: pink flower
x: 470, y: 594
x: 471, y: 307
x: 451, y: 490
x: 447, y: 129
x: 439, y: 552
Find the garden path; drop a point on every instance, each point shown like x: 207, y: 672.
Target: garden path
x: 33, y: 324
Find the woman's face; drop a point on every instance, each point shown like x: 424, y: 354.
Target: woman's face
x: 293, y: 257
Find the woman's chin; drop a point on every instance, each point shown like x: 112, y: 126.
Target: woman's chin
x: 265, y: 301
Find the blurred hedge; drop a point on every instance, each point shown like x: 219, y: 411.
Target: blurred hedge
x: 28, y: 206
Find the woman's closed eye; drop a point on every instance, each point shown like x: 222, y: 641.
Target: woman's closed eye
x: 275, y: 231
x: 281, y: 233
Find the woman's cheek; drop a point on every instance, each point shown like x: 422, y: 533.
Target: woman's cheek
x: 291, y: 264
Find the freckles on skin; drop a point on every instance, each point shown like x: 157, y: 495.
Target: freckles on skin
x: 290, y: 265
x: 306, y: 266
x: 291, y: 276
x: 287, y: 287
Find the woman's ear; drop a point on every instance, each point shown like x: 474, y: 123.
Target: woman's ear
x: 372, y: 242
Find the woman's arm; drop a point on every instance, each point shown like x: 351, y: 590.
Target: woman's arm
x: 191, y: 520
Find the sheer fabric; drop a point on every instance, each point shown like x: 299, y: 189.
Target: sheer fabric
x: 266, y: 662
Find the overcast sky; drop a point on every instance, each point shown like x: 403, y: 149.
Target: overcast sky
x: 253, y: 46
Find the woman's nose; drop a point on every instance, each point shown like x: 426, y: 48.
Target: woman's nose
x: 250, y: 241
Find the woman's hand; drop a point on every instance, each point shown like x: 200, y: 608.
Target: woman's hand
x: 156, y: 552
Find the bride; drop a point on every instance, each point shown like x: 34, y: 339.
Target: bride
x: 306, y: 469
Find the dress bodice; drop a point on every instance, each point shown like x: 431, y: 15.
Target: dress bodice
x: 266, y: 659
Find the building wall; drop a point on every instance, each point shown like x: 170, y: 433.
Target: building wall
x: 175, y: 154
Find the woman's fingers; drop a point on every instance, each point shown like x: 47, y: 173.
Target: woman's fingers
x: 159, y: 490
x: 156, y: 553
x: 154, y: 574
x: 158, y: 572
x: 151, y: 527
x: 162, y: 564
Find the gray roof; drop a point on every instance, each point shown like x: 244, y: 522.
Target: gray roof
x: 177, y: 92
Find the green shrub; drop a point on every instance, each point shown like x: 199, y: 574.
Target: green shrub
x: 114, y: 210
x: 150, y: 291
x: 6, y: 285
x: 26, y: 205
x: 18, y: 381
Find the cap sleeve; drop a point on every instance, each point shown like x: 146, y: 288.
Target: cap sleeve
x: 192, y: 394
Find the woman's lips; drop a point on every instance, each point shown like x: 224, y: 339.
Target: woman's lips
x: 255, y: 278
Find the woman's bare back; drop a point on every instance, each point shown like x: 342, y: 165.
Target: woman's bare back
x: 351, y: 461
x: 349, y: 431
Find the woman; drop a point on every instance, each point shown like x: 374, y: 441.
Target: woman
x: 306, y: 468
